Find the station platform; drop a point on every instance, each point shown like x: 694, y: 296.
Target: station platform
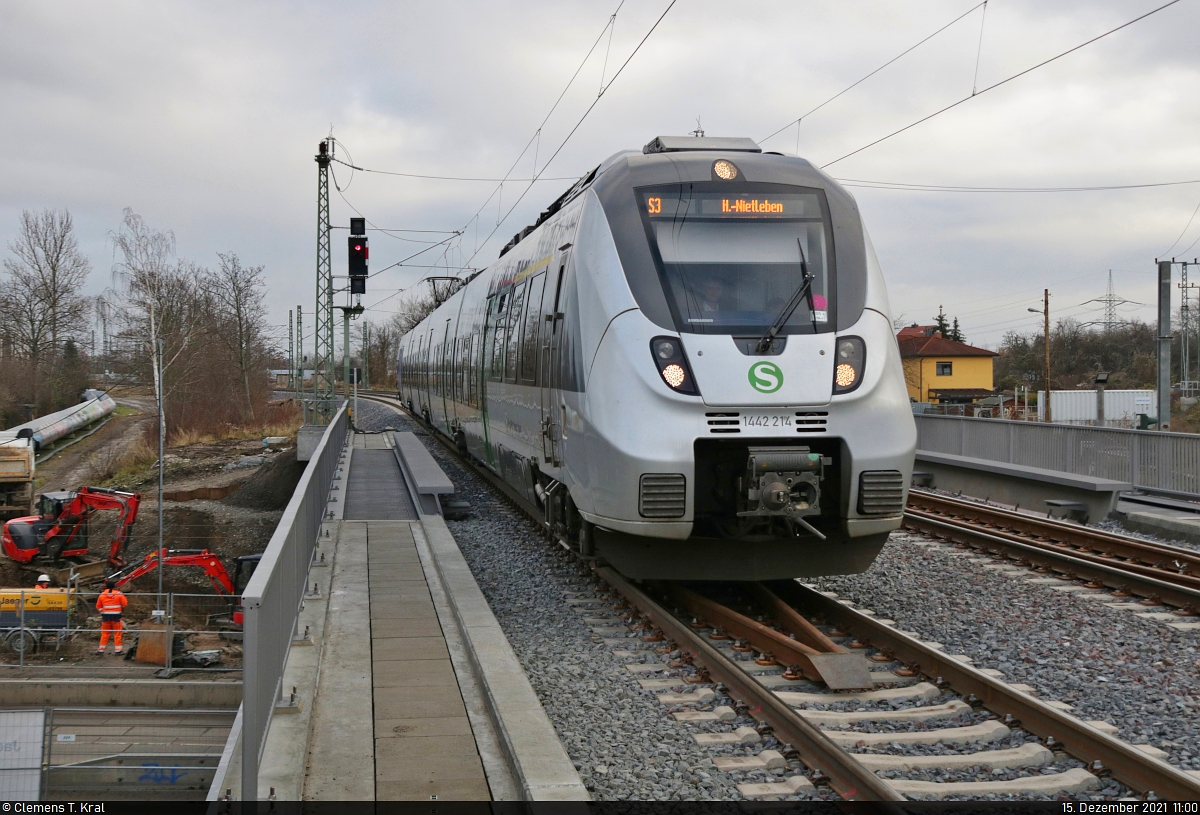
x: 409, y: 691
x: 1162, y: 521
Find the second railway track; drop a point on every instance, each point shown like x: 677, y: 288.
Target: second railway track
x: 1158, y: 572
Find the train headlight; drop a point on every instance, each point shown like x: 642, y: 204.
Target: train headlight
x: 672, y: 365
x: 848, y: 363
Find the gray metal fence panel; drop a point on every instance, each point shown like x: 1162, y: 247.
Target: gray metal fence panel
x: 128, y: 754
x: 271, y: 601
x: 1164, y: 462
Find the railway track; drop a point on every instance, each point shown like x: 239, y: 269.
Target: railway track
x: 918, y: 697
x: 1160, y: 573
x: 928, y: 696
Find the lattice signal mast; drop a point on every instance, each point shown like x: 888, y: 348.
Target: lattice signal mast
x: 1185, y: 325
x: 323, y: 378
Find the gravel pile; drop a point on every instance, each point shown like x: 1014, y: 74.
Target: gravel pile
x: 1134, y: 673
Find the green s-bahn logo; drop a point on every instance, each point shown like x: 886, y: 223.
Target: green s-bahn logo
x: 765, y: 377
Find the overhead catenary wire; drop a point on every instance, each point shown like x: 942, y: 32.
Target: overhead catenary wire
x: 580, y: 122
x: 1167, y: 251
x: 1190, y: 245
x: 537, y: 133
x: 915, y: 187
x: 342, y: 195
x: 442, y: 178
x: 998, y: 84
x: 872, y: 73
x: 536, y: 137
x: 979, y: 50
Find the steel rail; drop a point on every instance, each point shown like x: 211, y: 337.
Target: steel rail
x: 1166, y: 575
x: 1071, y: 534
x: 1122, y: 760
x: 1113, y: 576
x: 846, y: 775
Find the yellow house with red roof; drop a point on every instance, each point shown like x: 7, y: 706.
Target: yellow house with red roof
x: 944, y: 371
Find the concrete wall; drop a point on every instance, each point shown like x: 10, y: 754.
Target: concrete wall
x: 116, y: 693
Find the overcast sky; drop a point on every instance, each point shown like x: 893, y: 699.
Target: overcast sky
x: 204, y: 118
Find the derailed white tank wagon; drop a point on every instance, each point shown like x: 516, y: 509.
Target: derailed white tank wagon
x: 686, y: 367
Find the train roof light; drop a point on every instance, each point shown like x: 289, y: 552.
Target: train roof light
x: 725, y: 170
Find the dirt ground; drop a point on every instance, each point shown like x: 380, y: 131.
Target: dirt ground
x: 239, y: 524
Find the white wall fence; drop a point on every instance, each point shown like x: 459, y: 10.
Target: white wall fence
x: 1160, y: 462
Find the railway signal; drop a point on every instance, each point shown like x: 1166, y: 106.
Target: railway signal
x: 358, y: 263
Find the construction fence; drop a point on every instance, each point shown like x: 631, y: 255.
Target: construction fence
x: 60, y: 628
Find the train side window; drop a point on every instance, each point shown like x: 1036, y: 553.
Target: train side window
x: 515, y: 312
x: 529, y: 336
x: 499, y: 325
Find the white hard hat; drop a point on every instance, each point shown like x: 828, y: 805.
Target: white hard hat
x: 43, y: 578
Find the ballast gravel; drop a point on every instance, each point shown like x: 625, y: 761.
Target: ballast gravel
x: 1108, y: 664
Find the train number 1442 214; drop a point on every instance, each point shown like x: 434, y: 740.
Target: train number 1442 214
x: 766, y: 420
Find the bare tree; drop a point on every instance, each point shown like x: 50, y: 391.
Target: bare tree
x: 414, y: 309
x: 159, y: 299
x: 385, y: 339
x: 40, y: 301
x: 236, y: 294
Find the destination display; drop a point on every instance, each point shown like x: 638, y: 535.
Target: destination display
x: 723, y: 205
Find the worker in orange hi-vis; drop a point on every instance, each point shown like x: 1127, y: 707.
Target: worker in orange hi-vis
x: 111, y: 604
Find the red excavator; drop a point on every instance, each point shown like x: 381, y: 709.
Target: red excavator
x: 60, y: 529
x: 203, y: 559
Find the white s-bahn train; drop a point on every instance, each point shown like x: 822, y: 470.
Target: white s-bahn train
x: 686, y: 368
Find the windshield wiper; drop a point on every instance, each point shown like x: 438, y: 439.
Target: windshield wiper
x: 805, y: 289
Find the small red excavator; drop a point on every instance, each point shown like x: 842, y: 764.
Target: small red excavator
x: 203, y: 559
x: 60, y: 529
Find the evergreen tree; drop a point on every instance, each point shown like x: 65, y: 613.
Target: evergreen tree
x: 956, y: 333
x: 942, y: 324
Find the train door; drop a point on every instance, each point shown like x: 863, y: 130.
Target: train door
x: 550, y: 388
x: 446, y: 376
x: 491, y: 365
x: 429, y: 378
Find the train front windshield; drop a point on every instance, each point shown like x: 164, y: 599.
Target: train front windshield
x: 730, y: 261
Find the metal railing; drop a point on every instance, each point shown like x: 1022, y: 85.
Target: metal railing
x: 271, y: 600
x: 1158, y: 462
x: 131, y: 754
x: 316, y: 409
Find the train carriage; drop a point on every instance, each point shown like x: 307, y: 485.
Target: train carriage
x: 686, y: 367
